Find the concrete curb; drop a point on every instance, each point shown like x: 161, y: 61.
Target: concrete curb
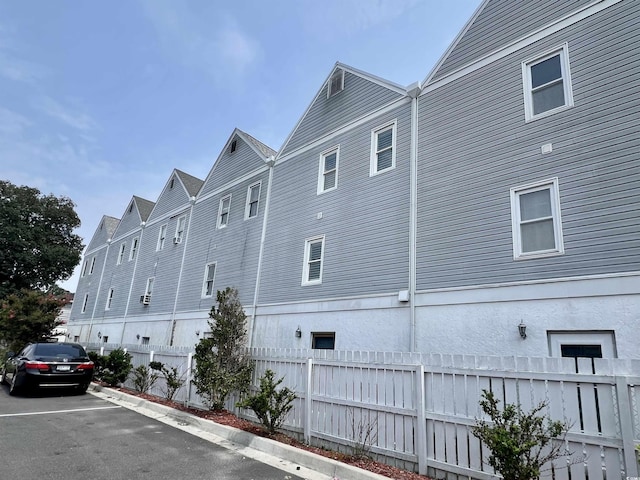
x: 312, y: 461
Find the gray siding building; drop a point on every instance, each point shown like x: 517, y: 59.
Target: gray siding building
x: 493, y: 208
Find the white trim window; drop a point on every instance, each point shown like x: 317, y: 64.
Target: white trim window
x: 547, y: 84
x: 383, y: 148
x: 149, y: 288
x: 109, y: 299
x: 223, y: 211
x: 536, y: 221
x: 84, y: 268
x: 134, y: 248
x: 162, y: 237
x: 313, y: 260
x: 328, y: 170
x: 209, y: 277
x: 253, y: 199
x: 93, y: 265
x: 336, y: 83
x: 182, y: 222
x: 123, y: 247
x: 84, y: 302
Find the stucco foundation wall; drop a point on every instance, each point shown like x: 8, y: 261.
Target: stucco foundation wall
x: 484, y: 321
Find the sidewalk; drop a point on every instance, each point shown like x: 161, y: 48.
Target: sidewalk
x: 294, y: 460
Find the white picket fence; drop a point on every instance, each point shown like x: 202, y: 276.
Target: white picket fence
x: 414, y: 410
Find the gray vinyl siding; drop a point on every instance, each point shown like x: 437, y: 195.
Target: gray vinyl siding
x: 170, y: 199
x: 365, y: 221
x: 164, y: 265
x: 475, y: 145
x: 234, y: 248
x: 501, y: 22
x: 359, y: 97
x: 231, y: 166
x: 130, y: 221
x: 88, y: 284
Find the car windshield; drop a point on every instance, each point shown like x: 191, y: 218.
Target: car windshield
x: 59, y: 351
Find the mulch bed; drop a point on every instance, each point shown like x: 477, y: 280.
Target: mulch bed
x: 225, y: 417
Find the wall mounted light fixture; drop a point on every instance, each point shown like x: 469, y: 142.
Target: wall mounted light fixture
x: 99, y: 335
x: 298, y: 332
x: 522, y: 329
x: 138, y: 336
x: 198, y: 333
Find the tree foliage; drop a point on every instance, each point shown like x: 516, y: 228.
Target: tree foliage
x: 37, y: 243
x: 28, y: 316
x: 112, y: 369
x: 270, y: 405
x: 222, y: 366
x: 520, y: 443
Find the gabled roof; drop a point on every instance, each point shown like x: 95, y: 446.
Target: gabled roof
x: 144, y: 207
x: 106, y: 228
x: 394, y: 87
x: 110, y: 224
x: 191, y: 184
x: 455, y: 42
x: 264, y: 149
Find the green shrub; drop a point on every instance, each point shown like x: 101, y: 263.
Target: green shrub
x: 270, y: 405
x: 173, y: 381
x: 144, y: 379
x: 113, y: 368
x: 520, y: 443
x: 222, y: 366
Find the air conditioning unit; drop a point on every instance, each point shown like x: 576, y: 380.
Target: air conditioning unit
x: 177, y: 240
x: 145, y: 299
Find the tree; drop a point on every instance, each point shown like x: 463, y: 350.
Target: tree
x: 37, y: 243
x: 28, y: 316
x: 221, y: 364
x: 520, y: 443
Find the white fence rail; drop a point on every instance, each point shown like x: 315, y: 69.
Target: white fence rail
x: 414, y: 410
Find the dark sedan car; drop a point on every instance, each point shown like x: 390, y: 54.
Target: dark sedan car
x: 48, y: 365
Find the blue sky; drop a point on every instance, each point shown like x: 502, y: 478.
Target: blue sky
x: 100, y: 101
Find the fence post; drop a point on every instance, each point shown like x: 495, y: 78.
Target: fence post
x: 151, y: 356
x: 101, y: 351
x: 421, y: 443
x: 189, y: 364
x: 626, y: 428
x: 307, y: 402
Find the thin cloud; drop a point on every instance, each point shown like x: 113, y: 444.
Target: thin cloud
x: 12, y: 123
x: 68, y: 115
x: 219, y: 47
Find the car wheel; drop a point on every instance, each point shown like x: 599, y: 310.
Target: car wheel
x: 13, y: 390
x: 82, y: 389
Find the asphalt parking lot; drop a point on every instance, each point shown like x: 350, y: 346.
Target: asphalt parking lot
x: 77, y: 437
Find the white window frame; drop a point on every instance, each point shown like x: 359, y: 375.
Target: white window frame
x: 84, y: 303
x: 149, y: 288
x: 220, y: 224
x: 563, y: 52
x: 554, y: 194
x: 181, y: 226
x: 339, y: 76
x: 206, y: 279
x: 93, y: 265
x: 120, y: 259
x: 134, y: 248
x: 84, y: 268
x: 109, y: 299
x: 307, y: 254
x: 162, y: 237
x: 247, y: 207
x: 322, y: 172
x: 393, y: 126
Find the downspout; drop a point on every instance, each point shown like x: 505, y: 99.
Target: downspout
x: 93, y: 312
x: 413, y: 91
x: 271, y: 162
x: 133, y: 276
x: 192, y: 201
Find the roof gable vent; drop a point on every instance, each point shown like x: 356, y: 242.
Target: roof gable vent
x: 336, y: 83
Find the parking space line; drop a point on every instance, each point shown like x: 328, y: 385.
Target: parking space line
x: 57, y: 411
